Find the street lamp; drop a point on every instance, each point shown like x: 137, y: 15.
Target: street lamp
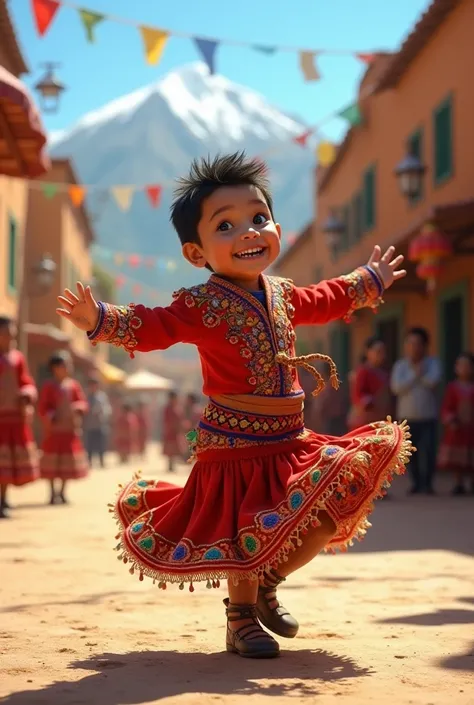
x: 38, y: 284
x: 50, y: 89
x: 333, y: 229
x: 410, y: 172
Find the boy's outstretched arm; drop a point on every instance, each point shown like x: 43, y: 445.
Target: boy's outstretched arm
x: 136, y: 328
x: 339, y: 298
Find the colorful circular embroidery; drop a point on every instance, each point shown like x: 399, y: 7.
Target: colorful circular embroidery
x: 132, y: 501
x: 146, y: 543
x: 295, y: 500
x: 180, y: 553
x: 136, y: 528
x: 213, y: 554
x: 269, y: 521
x: 142, y: 483
x: 331, y: 451
x: 315, y: 476
x: 250, y: 544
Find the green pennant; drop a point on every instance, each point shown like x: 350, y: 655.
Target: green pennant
x: 90, y: 20
x: 49, y: 190
x: 352, y: 114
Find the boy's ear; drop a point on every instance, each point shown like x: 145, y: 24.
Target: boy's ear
x: 278, y: 229
x: 193, y: 253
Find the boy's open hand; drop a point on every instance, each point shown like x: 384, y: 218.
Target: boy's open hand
x: 386, y: 266
x: 82, y: 310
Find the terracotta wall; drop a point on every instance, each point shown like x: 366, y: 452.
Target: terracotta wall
x: 13, y: 198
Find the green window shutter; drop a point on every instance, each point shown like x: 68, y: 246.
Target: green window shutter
x: 417, y: 148
x: 443, y: 137
x: 12, y: 252
x: 346, y: 219
x: 369, y: 199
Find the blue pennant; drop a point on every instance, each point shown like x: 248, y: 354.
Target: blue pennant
x: 207, y: 48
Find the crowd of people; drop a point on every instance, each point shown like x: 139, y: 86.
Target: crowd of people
x: 412, y: 390
x: 78, y: 425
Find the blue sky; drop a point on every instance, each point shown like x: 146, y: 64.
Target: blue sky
x: 115, y: 64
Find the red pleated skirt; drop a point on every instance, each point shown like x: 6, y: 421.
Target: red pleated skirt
x: 63, y: 457
x: 243, y: 510
x: 18, y: 452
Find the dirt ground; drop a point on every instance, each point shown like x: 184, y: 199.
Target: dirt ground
x: 390, y: 622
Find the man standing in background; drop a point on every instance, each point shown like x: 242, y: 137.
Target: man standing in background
x: 97, y: 421
x: 415, y: 381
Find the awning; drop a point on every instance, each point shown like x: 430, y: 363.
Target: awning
x: 110, y: 373
x: 46, y: 334
x: 22, y: 136
x: 145, y: 381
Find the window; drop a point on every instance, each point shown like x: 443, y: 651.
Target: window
x: 357, y: 229
x: 415, y: 143
x: 346, y: 235
x: 369, y: 199
x: 443, y: 137
x: 12, y: 252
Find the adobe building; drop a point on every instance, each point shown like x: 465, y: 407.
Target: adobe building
x: 417, y: 102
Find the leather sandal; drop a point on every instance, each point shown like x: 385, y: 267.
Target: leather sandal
x: 250, y: 640
x: 277, y: 619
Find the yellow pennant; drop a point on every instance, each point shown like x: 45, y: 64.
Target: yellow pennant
x: 326, y: 153
x: 123, y: 196
x: 154, y: 41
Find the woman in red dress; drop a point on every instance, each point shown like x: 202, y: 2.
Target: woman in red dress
x: 371, y: 399
x: 265, y: 495
x: 62, y: 405
x: 127, y: 433
x: 144, y: 427
x: 456, y: 453
x: 173, y: 433
x: 18, y: 453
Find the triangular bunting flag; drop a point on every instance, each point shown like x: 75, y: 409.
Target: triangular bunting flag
x: 134, y: 260
x: 76, y: 194
x: 366, y: 58
x: 265, y: 49
x: 308, y: 66
x: 154, y: 41
x: 154, y: 194
x: 352, y: 114
x: 49, y: 190
x: 303, y: 138
x: 326, y: 153
x: 207, y: 49
x: 90, y: 20
x: 43, y: 12
x: 123, y: 196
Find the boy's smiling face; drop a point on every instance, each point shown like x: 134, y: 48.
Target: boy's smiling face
x: 239, y: 238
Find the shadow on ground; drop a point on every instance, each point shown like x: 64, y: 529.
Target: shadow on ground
x: 149, y: 676
x: 460, y: 662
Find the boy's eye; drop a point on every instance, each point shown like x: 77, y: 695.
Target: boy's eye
x: 260, y: 218
x: 225, y: 225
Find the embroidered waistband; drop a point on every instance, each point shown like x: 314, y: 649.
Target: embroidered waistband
x: 254, y: 404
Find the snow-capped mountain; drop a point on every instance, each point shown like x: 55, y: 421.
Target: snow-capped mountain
x: 151, y: 136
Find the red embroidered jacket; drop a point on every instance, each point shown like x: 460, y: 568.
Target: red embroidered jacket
x: 59, y: 403
x: 237, y: 337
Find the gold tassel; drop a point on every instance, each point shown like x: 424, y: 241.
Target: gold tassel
x: 304, y: 362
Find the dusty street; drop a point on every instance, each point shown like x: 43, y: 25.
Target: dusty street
x: 391, y: 622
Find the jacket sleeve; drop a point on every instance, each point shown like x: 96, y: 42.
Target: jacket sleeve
x: 137, y: 328
x: 337, y: 298
x: 46, y: 403
x: 449, y: 407
x: 26, y: 382
x: 79, y: 399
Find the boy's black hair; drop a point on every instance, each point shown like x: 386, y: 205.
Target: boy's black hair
x: 59, y: 358
x: 205, y: 177
x: 466, y: 356
x: 5, y: 321
x: 422, y: 333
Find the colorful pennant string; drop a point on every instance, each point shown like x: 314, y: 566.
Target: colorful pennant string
x: 154, y: 38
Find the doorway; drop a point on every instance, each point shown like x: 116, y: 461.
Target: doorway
x: 452, y: 326
x: 388, y: 326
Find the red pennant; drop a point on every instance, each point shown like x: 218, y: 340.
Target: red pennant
x: 134, y: 260
x: 303, y: 138
x: 291, y: 238
x: 43, y: 12
x: 154, y: 195
x: 119, y: 281
x: 366, y: 58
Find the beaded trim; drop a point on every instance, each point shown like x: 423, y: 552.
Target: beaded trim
x: 364, y: 288
x: 117, y: 326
